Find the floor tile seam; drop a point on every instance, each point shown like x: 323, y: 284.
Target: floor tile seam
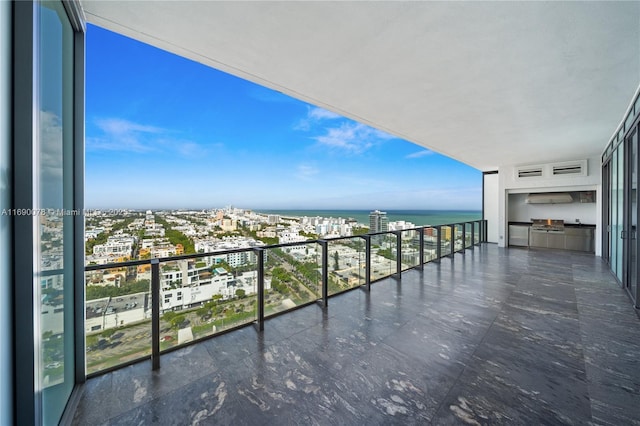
x: 335, y: 317
x: 171, y: 392
x: 236, y: 359
x: 584, y: 348
x: 503, y: 304
x: 150, y: 400
x: 265, y: 345
x: 477, y: 347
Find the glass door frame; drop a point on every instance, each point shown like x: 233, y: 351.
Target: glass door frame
x: 632, y: 243
x: 606, y: 212
x: 26, y: 382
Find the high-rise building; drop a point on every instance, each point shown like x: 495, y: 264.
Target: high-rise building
x: 378, y: 221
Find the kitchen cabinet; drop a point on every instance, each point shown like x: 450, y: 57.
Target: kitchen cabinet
x: 581, y: 239
x: 578, y: 238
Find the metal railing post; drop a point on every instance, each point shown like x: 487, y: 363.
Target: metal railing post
x: 260, y: 305
x: 367, y: 261
x: 325, y: 272
x: 464, y: 237
x: 421, y: 248
x: 438, y: 243
x: 452, y: 241
x: 484, y: 231
x: 473, y: 235
x: 155, y: 314
x: 398, y: 254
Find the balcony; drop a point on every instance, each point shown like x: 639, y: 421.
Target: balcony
x: 486, y: 335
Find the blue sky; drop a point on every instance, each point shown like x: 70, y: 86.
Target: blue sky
x: 165, y: 132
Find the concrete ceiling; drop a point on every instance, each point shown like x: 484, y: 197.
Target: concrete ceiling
x: 486, y: 83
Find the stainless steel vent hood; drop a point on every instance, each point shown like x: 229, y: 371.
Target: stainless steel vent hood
x: 549, y: 198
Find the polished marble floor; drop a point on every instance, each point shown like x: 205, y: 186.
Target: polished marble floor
x: 496, y: 336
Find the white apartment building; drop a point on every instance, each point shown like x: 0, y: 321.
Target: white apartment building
x: 291, y: 236
x: 228, y: 225
x: 93, y: 233
x: 200, y: 285
x: 116, y: 246
x: 154, y: 230
x: 236, y: 259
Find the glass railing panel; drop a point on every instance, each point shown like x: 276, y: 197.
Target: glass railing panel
x: 430, y: 244
x: 477, y: 231
x: 203, y: 296
x: 467, y: 235
x: 458, y: 243
x: 446, y: 240
x: 410, y: 248
x: 117, y: 316
x: 293, y: 276
x: 346, y: 264
x: 383, y: 255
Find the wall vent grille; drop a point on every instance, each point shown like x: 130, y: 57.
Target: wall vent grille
x: 569, y: 169
x: 525, y: 173
x: 559, y: 170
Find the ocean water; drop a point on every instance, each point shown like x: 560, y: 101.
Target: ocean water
x: 417, y: 217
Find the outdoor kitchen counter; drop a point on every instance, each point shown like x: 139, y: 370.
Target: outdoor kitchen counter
x: 576, y: 236
x: 566, y: 225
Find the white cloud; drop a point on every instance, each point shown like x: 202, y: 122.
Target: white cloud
x: 122, y: 127
x: 352, y: 137
x: 314, y: 116
x: 419, y: 154
x: 306, y: 172
x: 123, y: 135
x: 322, y: 114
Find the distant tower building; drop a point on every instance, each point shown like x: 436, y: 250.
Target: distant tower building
x: 378, y: 221
x: 273, y: 219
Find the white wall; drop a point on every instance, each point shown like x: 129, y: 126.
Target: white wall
x: 490, y: 206
x: 509, y: 185
x: 6, y: 322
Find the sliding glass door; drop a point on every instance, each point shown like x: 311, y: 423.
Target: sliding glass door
x: 630, y: 280
x: 54, y: 207
x: 616, y: 233
x: 621, y: 210
x: 47, y: 181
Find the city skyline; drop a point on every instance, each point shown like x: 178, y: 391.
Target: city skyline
x: 166, y: 132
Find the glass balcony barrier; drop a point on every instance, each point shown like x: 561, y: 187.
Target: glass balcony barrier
x: 139, y: 309
x: 203, y: 296
x: 410, y: 248
x: 292, y: 276
x: 458, y: 243
x: 446, y: 240
x: 117, y: 315
x: 430, y: 244
x: 346, y: 264
x: 468, y: 235
x: 384, y: 249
